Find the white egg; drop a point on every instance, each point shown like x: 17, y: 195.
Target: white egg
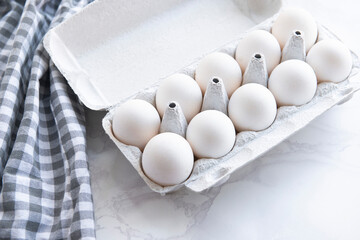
x: 219, y: 65
x: 135, y: 122
x: 167, y: 159
x: 292, y: 82
x: 182, y: 89
x: 258, y: 41
x: 211, y: 134
x: 252, y: 107
x: 331, y: 60
x: 292, y: 19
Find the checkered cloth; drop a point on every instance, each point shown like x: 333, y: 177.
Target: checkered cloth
x: 45, y: 187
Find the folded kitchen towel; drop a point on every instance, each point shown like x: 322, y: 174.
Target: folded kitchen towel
x: 45, y: 185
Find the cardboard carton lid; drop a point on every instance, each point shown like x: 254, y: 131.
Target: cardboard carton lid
x: 112, y: 49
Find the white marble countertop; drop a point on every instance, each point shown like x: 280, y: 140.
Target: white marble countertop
x: 308, y: 187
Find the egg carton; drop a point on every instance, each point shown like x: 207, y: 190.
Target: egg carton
x: 249, y: 145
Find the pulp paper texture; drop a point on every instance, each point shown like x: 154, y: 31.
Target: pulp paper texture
x: 256, y: 71
x: 294, y: 47
x: 112, y: 49
x: 215, y: 97
x: 249, y: 145
x: 174, y: 120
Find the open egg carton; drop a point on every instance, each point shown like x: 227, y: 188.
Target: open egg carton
x: 249, y: 145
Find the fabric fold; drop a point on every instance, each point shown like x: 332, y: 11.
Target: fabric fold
x: 45, y: 184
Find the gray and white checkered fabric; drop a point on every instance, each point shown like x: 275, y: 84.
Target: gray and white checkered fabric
x: 45, y: 186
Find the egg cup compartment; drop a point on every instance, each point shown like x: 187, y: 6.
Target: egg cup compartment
x: 249, y: 145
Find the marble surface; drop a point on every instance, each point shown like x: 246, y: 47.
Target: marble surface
x: 308, y: 187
